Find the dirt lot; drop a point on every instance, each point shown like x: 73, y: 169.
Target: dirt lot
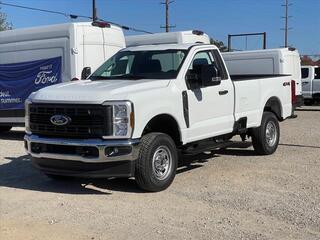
x: 232, y: 195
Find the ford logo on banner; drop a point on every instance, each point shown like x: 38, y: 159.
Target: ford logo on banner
x: 60, y: 120
x: 19, y: 80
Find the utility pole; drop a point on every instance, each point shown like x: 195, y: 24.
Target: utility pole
x: 168, y: 26
x: 94, y: 11
x: 286, y: 23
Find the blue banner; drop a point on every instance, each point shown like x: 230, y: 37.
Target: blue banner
x: 19, y: 80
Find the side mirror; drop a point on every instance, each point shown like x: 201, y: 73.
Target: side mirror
x: 193, y: 80
x: 210, y: 75
x: 86, y: 72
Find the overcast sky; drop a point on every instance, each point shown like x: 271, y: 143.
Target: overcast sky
x: 217, y: 18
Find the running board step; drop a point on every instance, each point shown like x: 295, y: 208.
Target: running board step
x: 200, y: 148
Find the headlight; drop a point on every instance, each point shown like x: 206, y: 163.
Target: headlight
x: 27, y: 104
x: 123, y: 119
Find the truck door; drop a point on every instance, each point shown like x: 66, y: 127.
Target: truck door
x: 210, y: 108
x: 316, y: 83
x: 307, y: 77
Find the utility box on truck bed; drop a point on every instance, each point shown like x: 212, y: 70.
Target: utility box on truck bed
x: 282, y: 61
x: 33, y: 58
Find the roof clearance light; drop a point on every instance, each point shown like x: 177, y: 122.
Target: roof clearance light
x: 197, y: 32
x: 101, y: 24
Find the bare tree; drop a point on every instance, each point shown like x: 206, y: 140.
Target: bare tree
x: 4, y: 24
x: 219, y: 44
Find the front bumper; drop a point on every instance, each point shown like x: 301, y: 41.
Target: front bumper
x: 83, y: 157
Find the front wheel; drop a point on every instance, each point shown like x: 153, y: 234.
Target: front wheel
x: 157, y: 163
x: 265, y: 139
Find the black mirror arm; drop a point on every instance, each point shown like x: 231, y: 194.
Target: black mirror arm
x: 86, y: 72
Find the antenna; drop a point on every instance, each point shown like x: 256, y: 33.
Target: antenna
x: 94, y: 11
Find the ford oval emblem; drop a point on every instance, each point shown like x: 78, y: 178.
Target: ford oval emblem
x: 60, y: 120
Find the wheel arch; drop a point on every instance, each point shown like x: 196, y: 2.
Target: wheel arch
x: 164, y: 123
x: 274, y: 105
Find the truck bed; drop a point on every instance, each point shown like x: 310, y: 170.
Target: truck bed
x: 253, y: 91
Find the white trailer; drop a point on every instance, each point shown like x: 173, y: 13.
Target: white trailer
x: 33, y: 58
x: 282, y: 61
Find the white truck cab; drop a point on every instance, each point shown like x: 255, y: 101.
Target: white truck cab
x: 132, y: 116
x: 34, y: 58
x: 310, y: 84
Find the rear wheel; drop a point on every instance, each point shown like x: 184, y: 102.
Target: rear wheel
x: 5, y: 128
x: 157, y: 162
x: 265, y: 139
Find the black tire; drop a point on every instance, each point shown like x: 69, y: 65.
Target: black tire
x: 147, y: 172
x: 5, y: 129
x: 262, y: 144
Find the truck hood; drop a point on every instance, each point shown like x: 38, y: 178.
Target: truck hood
x: 95, y: 92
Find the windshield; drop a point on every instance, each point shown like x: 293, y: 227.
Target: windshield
x: 141, y: 64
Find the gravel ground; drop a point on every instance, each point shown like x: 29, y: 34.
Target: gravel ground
x: 230, y: 195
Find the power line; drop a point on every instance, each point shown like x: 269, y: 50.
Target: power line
x: 168, y: 26
x: 75, y: 16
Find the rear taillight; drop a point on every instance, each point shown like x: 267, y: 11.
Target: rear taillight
x: 293, y: 92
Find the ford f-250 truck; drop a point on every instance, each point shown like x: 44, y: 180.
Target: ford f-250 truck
x: 145, y: 105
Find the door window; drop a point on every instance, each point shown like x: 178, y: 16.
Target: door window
x: 304, y: 73
x: 200, y: 59
x: 317, y: 73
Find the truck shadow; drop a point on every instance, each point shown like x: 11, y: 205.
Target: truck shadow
x: 236, y: 152
x: 19, y: 173
x: 298, y: 145
x: 13, y: 135
x: 308, y: 110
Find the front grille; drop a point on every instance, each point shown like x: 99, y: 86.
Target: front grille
x: 86, y: 121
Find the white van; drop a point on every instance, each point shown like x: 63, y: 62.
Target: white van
x: 33, y: 58
x: 182, y: 37
x: 280, y: 61
x: 310, y: 84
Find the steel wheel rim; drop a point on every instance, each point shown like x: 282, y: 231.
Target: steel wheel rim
x: 162, y: 162
x: 271, y: 134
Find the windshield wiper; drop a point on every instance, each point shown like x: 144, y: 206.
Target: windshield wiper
x: 128, y: 76
x: 125, y: 76
x: 98, y: 77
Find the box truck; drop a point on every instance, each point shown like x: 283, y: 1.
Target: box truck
x: 33, y: 58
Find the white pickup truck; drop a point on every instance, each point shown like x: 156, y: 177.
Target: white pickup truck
x: 146, y: 104
x: 310, y: 84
